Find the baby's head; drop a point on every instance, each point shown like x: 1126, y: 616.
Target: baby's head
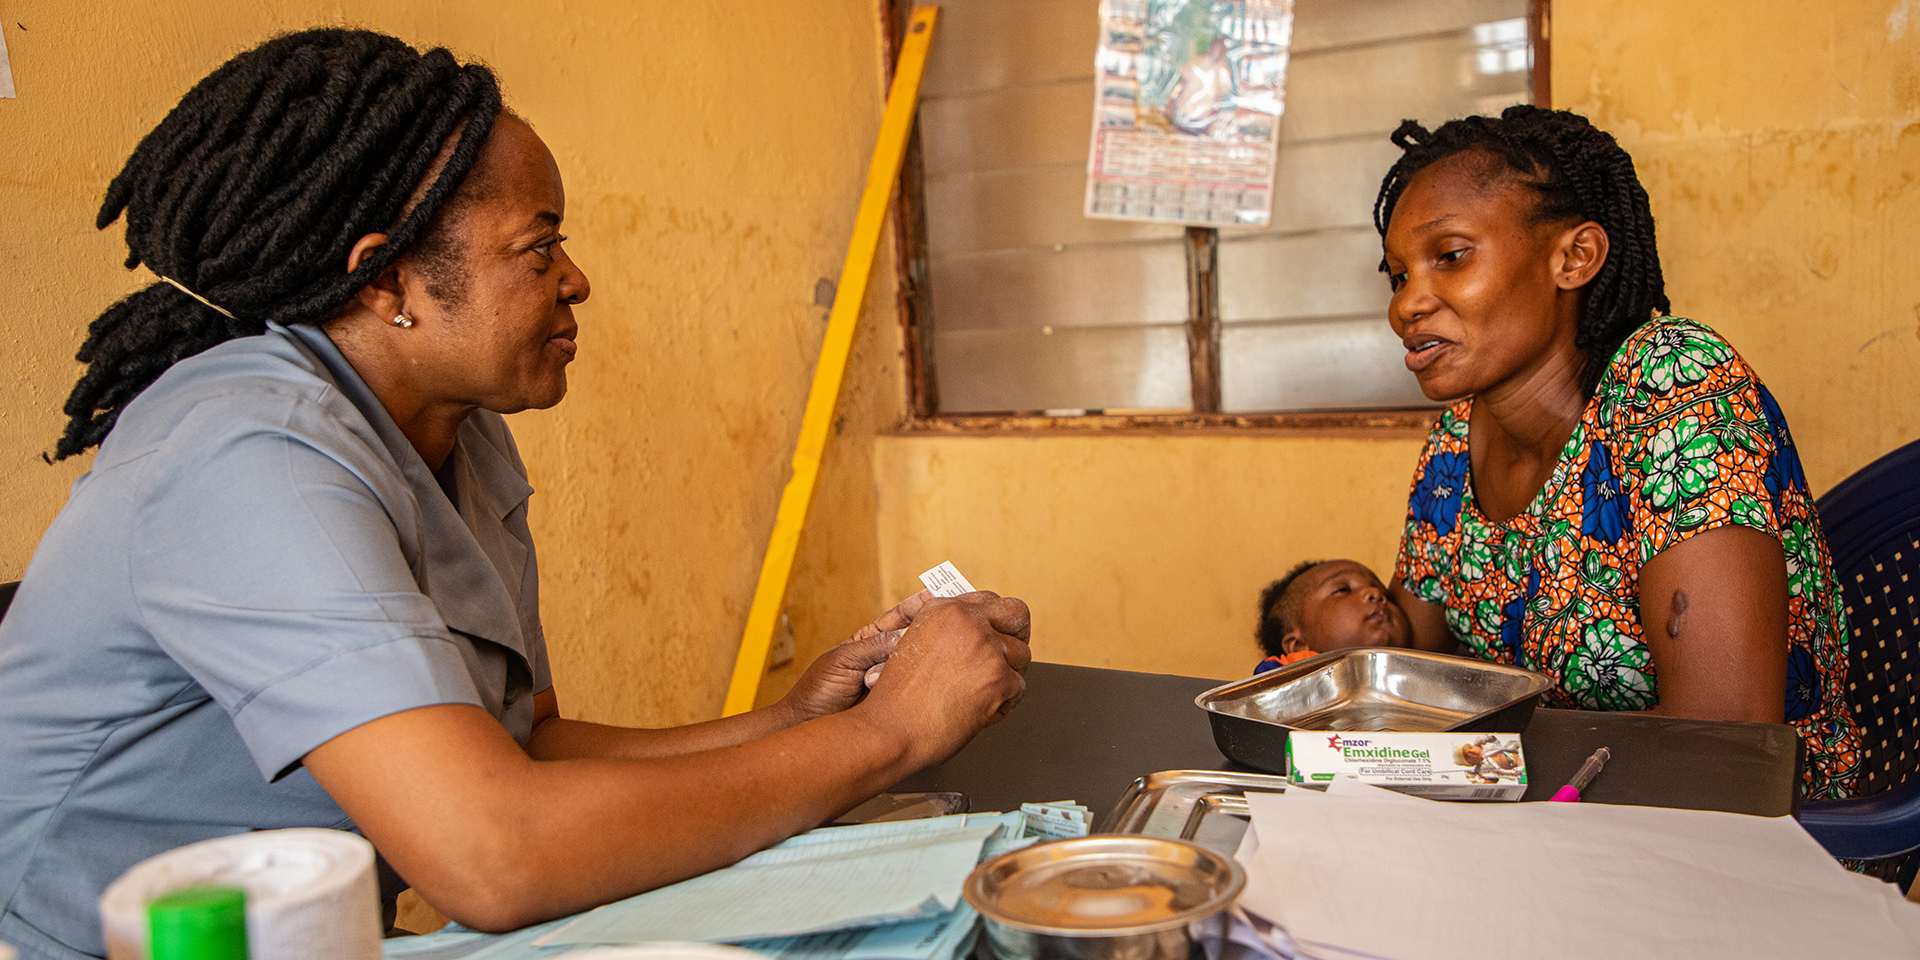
x: 1324, y: 605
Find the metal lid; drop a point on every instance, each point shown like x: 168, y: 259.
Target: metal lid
x: 1103, y: 885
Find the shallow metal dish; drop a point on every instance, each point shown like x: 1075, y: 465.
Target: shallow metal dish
x: 1367, y: 688
x: 1101, y: 897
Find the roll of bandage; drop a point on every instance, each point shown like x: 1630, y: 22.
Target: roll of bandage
x: 310, y: 893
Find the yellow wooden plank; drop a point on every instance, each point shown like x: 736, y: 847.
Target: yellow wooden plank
x: 777, y: 569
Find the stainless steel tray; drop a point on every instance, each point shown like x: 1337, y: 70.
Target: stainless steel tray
x: 1206, y: 807
x: 1367, y: 688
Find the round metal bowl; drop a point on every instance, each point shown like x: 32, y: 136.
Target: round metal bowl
x: 1103, y: 897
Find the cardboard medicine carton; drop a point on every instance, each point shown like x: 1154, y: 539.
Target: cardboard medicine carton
x: 1444, y: 766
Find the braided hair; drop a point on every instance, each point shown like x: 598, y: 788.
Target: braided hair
x: 1578, y: 173
x: 256, y: 186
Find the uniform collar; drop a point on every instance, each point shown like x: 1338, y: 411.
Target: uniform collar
x: 471, y: 565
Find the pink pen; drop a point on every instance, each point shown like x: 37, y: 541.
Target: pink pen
x: 1571, y: 792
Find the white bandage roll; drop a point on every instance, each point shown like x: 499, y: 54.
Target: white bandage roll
x: 310, y: 893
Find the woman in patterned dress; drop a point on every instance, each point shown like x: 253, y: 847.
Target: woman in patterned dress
x: 1613, y: 498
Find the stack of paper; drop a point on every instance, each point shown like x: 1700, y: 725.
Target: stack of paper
x: 1361, y: 870
x: 1056, y: 820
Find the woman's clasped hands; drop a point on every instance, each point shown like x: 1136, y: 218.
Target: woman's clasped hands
x: 952, y: 667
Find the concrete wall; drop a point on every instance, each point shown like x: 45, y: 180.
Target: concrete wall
x: 714, y: 155
x: 1780, y: 142
x: 1140, y: 552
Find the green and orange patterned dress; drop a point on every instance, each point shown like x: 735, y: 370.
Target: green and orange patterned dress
x: 1679, y: 438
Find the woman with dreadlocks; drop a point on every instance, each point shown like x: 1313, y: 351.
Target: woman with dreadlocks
x: 297, y: 587
x: 1613, y: 498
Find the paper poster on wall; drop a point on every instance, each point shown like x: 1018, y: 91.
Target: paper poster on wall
x: 1187, y: 101
x: 6, y: 69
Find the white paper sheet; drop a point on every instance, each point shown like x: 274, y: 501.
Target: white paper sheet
x: 1400, y: 877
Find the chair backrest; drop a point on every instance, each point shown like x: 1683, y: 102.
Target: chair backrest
x: 1872, y: 522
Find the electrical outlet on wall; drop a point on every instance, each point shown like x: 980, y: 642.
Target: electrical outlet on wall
x: 782, y: 652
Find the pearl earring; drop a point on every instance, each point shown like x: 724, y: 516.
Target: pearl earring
x: 402, y: 321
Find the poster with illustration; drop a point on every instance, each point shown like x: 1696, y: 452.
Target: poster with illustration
x: 1187, y: 101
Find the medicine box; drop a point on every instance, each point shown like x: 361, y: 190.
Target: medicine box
x: 1443, y: 766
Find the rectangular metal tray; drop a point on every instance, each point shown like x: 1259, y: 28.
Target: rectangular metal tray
x: 1207, y: 807
x: 1367, y: 688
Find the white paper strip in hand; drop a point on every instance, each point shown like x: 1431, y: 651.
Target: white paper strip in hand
x: 945, y: 581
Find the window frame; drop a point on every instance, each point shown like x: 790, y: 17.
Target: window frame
x: 913, y: 300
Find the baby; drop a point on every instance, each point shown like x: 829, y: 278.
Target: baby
x: 1324, y: 605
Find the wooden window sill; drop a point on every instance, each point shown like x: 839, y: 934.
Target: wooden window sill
x: 1369, y: 422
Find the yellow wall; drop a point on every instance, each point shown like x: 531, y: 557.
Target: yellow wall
x: 714, y: 154
x: 1143, y: 552
x: 1780, y: 142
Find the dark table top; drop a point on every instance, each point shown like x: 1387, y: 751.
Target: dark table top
x: 1085, y: 734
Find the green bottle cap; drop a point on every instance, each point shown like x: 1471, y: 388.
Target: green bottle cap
x: 198, y: 923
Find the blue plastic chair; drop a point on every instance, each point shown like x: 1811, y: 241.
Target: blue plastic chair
x: 1872, y: 521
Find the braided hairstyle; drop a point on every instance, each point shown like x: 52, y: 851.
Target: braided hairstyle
x: 256, y: 186
x: 1578, y: 173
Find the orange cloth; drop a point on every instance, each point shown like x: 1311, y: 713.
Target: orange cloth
x: 1274, y: 663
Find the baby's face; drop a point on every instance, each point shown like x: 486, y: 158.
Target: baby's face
x: 1345, y: 605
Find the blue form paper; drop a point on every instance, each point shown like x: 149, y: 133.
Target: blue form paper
x: 941, y: 935
x: 824, y: 880
x: 947, y: 935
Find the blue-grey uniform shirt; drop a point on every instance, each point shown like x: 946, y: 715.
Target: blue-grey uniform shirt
x: 258, y: 562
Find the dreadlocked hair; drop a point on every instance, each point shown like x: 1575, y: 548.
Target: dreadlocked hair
x: 1579, y: 173
x: 254, y: 189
